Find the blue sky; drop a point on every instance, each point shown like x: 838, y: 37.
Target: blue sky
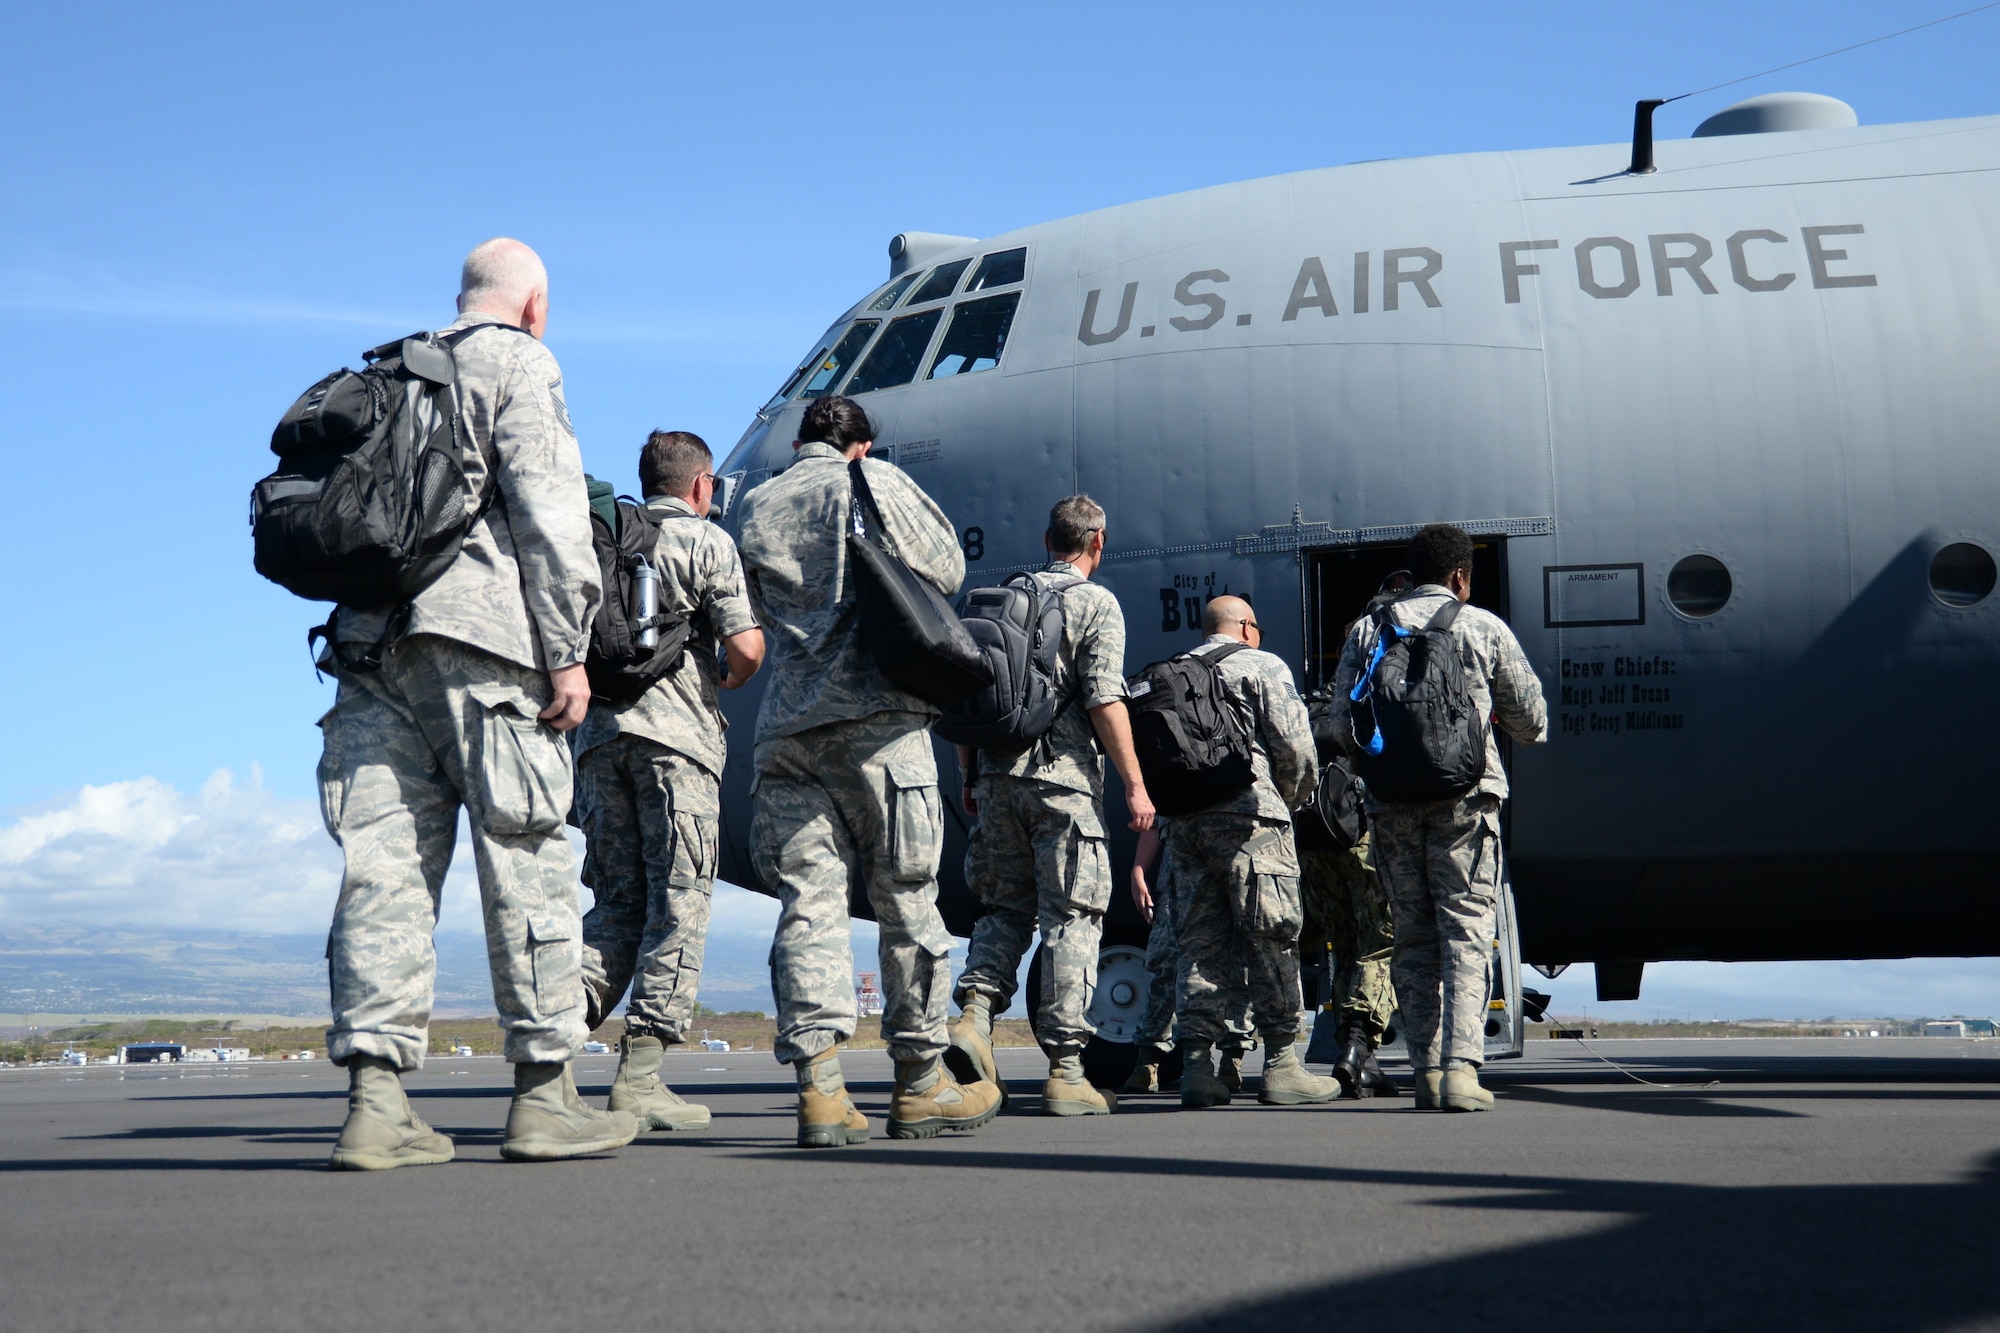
x: 207, y: 208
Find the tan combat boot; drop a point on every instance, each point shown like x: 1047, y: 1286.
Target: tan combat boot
x: 1459, y: 1089
x: 381, y: 1131
x: 1287, y: 1082
x: 636, y: 1088
x: 1229, y: 1067
x: 927, y: 1099
x: 827, y: 1118
x: 970, y: 1055
x: 1427, y: 1085
x: 1200, y: 1088
x: 1145, y: 1075
x: 549, y: 1121
x: 1068, y: 1092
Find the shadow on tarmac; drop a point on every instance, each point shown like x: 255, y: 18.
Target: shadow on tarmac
x: 1833, y: 1257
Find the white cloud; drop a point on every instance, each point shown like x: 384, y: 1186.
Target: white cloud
x: 230, y: 857
x: 233, y: 856
x: 99, y: 292
x: 734, y: 337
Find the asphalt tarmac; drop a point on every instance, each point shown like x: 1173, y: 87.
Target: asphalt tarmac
x: 1824, y: 1183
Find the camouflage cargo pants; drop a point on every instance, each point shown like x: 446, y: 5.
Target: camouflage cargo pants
x: 1167, y: 971
x: 650, y: 817
x: 441, y: 725
x: 1347, y: 908
x: 844, y: 806
x: 1038, y: 856
x: 1441, y: 866
x: 1236, y: 881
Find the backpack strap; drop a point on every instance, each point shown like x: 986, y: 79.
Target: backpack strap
x: 1364, y: 680
x: 365, y: 659
x: 863, y: 496
x: 1446, y: 614
x: 370, y: 658
x: 1057, y: 589
x: 453, y: 338
x: 1215, y: 658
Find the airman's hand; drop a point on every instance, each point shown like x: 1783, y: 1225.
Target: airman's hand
x: 570, y: 687
x: 1142, y: 897
x: 1141, y: 806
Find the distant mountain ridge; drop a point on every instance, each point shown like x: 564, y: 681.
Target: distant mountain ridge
x: 81, y: 969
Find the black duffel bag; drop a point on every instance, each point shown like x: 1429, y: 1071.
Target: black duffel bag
x: 907, y: 626
x: 1335, y: 820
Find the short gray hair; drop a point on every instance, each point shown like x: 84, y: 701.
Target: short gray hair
x: 671, y: 461
x: 500, y: 275
x: 1072, y: 523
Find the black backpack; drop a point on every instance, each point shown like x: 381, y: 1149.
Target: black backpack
x: 619, y: 667
x: 369, y: 503
x: 1194, y: 747
x: 1421, y: 738
x: 1336, y: 819
x: 1018, y: 628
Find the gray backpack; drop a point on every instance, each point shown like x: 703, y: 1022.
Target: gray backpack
x: 1018, y: 628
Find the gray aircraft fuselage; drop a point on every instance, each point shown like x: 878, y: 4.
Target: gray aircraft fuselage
x: 1774, y: 355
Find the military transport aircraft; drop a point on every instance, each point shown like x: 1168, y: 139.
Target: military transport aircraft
x: 1726, y: 434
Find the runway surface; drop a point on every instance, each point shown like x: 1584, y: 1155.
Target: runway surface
x: 1855, y: 1184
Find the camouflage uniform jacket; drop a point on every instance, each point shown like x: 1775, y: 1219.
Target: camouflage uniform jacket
x: 1282, y: 754
x: 1504, y: 686
x: 1090, y: 672
x: 700, y: 578
x: 794, y: 541
x: 525, y: 584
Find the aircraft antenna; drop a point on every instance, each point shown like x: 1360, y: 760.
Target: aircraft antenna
x: 1642, y: 112
x: 1842, y: 50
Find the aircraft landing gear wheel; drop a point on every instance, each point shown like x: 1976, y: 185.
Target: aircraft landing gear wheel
x: 1116, y: 1009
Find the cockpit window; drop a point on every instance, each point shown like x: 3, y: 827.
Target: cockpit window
x: 793, y: 380
x: 829, y: 366
x: 999, y: 270
x: 976, y: 337
x: 941, y: 281
x: 894, y: 290
x: 897, y: 356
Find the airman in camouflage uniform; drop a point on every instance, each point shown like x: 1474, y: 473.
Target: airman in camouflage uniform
x: 1238, y: 877
x: 846, y: 798
x: 648, y: 790
x: 466, y: 709
x: 1166, y: 972
x: 1038, y: 849
x: 1348, y: 909
x: 1441, y: 861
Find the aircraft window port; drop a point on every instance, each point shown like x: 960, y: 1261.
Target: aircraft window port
x: 976, y: 337
x: 827, y: 369
x: 941, y: 281
x: 1699, y: 586
x: 793, y: 380
x: 1962, y: 574
x: 1001, y: 270
x: 897, y: 354
x: 894, y: 290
